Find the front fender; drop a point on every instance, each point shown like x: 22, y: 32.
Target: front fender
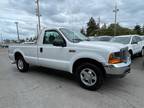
x: 19, y: 51
x: 96, y: 57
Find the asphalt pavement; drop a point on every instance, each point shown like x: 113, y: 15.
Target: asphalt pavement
x: 47, y: 88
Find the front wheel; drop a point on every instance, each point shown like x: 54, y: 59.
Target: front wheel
x: 142, y: 53
x: 22, y: 65
x: 89, y: 76
x: 131, y: 54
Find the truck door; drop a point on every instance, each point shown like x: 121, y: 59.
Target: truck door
x: 139, y: 45
x: 53, y: 51
x: 134, y: 45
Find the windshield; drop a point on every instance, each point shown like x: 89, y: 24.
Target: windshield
x: 123, y: 40
x: 73, y: 36
x: 105, y: 38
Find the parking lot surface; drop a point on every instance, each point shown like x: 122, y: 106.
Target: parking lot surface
x: 46, y: 88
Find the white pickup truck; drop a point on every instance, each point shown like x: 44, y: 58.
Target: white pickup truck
x: 65, y: 50
x: 134, y: 43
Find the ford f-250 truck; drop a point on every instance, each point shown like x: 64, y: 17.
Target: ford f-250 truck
x: 65, y: 50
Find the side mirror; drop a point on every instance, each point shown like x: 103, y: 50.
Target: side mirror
x: 134, y: 42
x: 59, y: 43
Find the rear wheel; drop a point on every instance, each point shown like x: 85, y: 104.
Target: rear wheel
x: 21, y: 64
x: 89, y: 76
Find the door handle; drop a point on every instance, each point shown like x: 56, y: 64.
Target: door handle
x: 41, y: 50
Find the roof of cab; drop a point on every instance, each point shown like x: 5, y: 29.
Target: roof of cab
x: 127, y: 35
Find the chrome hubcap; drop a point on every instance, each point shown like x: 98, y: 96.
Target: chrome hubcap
x: 20, y: 64
x: 88, y: 77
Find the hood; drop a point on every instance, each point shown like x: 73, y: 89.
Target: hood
x: 102, y: 45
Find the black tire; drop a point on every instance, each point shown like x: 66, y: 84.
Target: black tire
x: 25, y: 67
x: 97, y: 72
x: 141, y: 54
x: 131, y: 54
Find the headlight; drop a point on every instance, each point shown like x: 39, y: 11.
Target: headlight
x: 115, y: 58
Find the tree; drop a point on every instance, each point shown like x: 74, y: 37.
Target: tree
x: 104, y: 26
x: 143, y: 30
x: 137, y: 29
x: 91, y: 27
x: 83, y: 31
x: 27, y: 39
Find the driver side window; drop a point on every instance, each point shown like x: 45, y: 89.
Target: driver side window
x: 134, y: 40
x: 51, y: 36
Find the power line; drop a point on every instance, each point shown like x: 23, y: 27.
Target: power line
x: 14, y: 19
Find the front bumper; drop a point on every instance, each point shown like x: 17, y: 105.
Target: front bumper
x: 118, y: 70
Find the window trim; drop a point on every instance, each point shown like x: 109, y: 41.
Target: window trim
x: 138, y: 39
x: 53, y: 31
x: 132, y: 42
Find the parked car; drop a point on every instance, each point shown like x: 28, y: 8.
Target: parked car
x: 65, y: 50
x: 4, y: 46
x: 133, y: 42
x: 102, y: 38
x: 142, y: 37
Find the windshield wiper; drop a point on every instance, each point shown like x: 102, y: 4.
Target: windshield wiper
x: 88, y: 39
x: 77, y: 40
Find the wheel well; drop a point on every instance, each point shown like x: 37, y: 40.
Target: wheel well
x: 87, y: 60
x: 130, y: 51
x: 18, y: 54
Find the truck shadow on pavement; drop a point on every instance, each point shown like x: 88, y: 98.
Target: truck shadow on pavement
x: 51, y: 72
x: 67, y: 79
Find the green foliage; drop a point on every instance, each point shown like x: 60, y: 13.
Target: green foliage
x: 83, y: 31
x: 143, y: 30
x: 92, y: 27
x: 137, y: 29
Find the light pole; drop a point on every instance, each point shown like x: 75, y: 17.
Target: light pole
x: 17, y: 31
x: 1, y: 39
x: 38, y: 14
x: 115, y: 25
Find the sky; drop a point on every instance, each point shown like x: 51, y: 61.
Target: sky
x: 65, y: 13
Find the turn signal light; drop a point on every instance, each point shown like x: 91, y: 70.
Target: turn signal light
x: 113, y: 60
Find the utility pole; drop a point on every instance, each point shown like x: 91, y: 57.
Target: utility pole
x: 115, y: 12
x: 37, y: 30
x: 17, y: 31
x: 99, y: 22
x: 38, y: 14
x: 1, y: 39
